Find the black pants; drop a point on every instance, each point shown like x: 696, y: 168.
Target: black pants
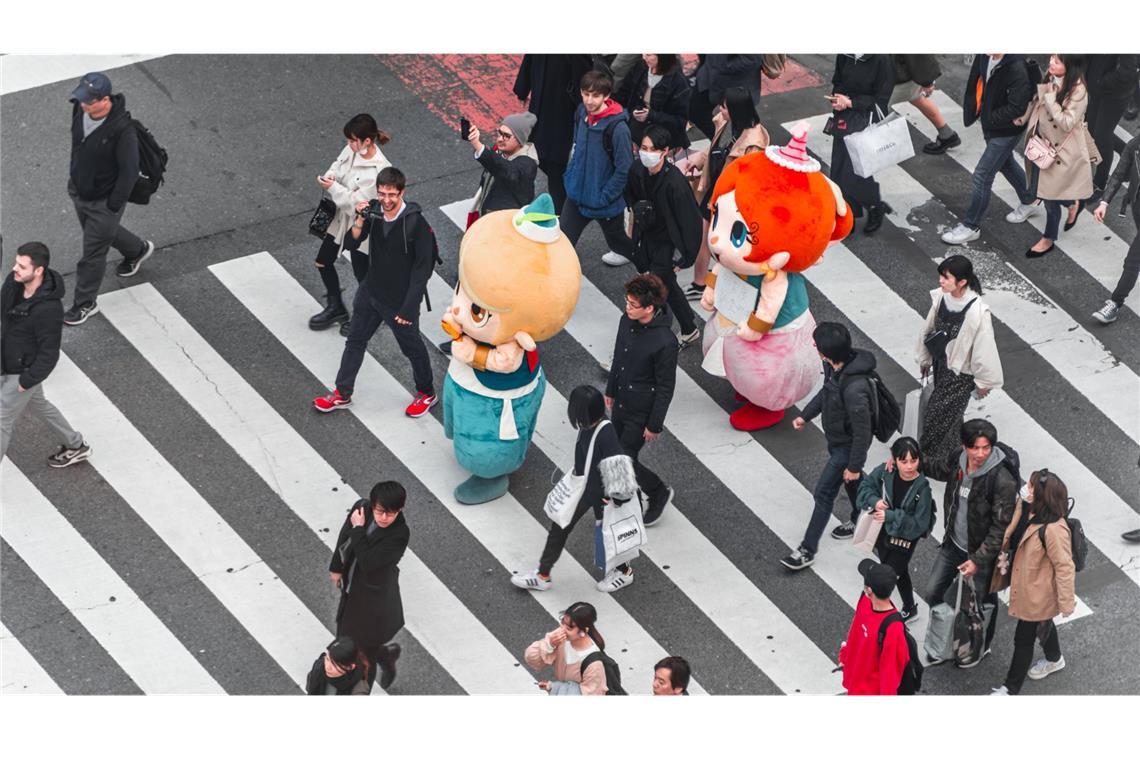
x: 897, y: 557
x: 326, y: 259
x: 573, y: 223
x: 368, y: 313
x: 859, y: 192
x: 554, y: 185
x: 1102, y: 116
x: 700, y: 112
x: 556, y: 538
x: 660, y: 261
x: 1128, y: 277
x: 631, y: 433
x: 1023, y: 638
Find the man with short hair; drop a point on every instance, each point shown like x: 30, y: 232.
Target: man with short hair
x: 642, y: 379
x: 399, y: 266
x: 847, y: 407
x: 981, y: 490
x: 31, y: 326
x: 666, y: 223
x: 104, y: 169
x: 509, y: 168
x: 868, y: 668
x: 599, y: 166
x: 671, y: 677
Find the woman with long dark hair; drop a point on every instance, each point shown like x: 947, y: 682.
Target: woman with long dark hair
x: 957, y: 345
x: 1056, y: 116
x: 656, y: 92
x: 609, y: 476
x: 566, y: 649
x: 900, y: 496
x: 350, y: 179
x: 1036, y: 564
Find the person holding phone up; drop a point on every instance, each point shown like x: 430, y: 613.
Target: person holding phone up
x: 364, y: 567
x: 509, y: 167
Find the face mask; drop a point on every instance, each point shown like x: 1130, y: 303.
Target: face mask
x: 1025, y: 495
x: 648, y: 159
x: 1058, y: 80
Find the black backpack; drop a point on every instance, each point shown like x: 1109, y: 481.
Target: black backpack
x: 435, y: 258
x: 1080, y: 545
x: 911, y: 682
x: 886, y: 414
x: 1011, y: 463
x: 152, y: 162
x: 613, y: 672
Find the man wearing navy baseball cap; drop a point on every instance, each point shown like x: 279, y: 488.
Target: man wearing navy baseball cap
x: 104, y: 169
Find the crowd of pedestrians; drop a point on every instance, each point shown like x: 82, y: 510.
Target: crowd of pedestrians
x: 612, y: 138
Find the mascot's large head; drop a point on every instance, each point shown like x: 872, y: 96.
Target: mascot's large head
x: 519, y: 278
x: 776, y: 210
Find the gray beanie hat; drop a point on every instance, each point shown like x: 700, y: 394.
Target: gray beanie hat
x: 521, y: 124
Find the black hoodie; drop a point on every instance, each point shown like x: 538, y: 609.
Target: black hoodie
x: 30, y: 331
x: 644, y: 370
x: 845, y: 400
x: 106, y: 163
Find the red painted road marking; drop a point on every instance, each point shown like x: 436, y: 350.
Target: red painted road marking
x: 479, y: 86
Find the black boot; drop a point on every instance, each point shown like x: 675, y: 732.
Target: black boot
x: 875, y: 214
x: 387, y: 662
x: 333, y: 312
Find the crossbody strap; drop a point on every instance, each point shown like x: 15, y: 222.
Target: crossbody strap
x: 590, y: 450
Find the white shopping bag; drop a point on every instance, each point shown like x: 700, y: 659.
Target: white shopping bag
x: 915, y: 409
x: 563, y: 499
x: 867, y: 531
x: 881, y: 145
x: 623, y: 532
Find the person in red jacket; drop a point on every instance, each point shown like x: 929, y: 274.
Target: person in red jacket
x: 866, y: 668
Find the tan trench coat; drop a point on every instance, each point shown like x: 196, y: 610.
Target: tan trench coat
x: 1063, y: 126
x: 1041, y: 581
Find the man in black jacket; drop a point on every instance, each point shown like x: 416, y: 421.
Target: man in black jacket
x: 399, y: 266
x: 666, y: 223
x: 847, y: 408
x: 509, y: 168
x: 1111, y: 81
x: 31, y: 325
x: 104, y: 169
x: 998, y: 91
x: 1127, y: 172
x: 642, y: 379
x: 975, y: 514
x: 718, y: 72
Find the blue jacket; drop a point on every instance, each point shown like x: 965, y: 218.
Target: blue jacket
x: 593, y: 181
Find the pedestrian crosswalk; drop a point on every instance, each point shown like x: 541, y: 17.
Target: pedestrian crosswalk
x: 708, y: 585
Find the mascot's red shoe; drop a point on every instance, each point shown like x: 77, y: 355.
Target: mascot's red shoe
x: 751, y: 417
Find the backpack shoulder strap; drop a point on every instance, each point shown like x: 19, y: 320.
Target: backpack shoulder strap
x: 591, y: 658
x: 891, y: 618
x: 608, y: 138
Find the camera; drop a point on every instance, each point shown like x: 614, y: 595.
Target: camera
x: 644, y: 214
x: 371, y: 211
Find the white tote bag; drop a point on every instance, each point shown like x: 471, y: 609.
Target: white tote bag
x: 567, y: 492
x: 882, y: 144
x: 623, y: 531
x: 867, y: 528
x: 915, y: 409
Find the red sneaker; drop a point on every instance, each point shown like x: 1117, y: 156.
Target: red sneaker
x: 420, y: 405
x: 331, y: 402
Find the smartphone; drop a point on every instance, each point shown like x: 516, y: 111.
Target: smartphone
x: 464, y: 128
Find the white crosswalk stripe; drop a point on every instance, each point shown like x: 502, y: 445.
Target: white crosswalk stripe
x: 19, y: 672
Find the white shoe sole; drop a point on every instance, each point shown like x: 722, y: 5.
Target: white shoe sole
x: 94, y: 310
x: 1043, y: 674
x: 609, y: 587
x: 136, y: 264
x: 425, y: 411
x: 962, y: 241
x: 518, y: 583
x: 615, y: 259
x: 803, y: 566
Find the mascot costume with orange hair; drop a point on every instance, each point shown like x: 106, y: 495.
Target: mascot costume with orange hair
x: 519, y: 279
x: 774, y: 213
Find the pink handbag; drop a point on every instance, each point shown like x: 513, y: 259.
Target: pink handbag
x: 1040, y: 152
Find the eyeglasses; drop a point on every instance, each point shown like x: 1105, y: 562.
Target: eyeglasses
x: 632, y: 304
x: 505, y: 135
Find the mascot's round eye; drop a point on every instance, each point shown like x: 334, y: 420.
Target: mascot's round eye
x: 738, y: 234
x: 716, y: 216
x: 480, y: 315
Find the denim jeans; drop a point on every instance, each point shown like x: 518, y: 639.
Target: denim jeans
x: 1053, y: 217
x: 945, y: 570
x: 998, y: 156
x: 826, y: 489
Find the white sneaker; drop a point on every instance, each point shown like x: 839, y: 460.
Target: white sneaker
x: 1000, y: 691
x: 960, y: 234
x: 531, y: 581
x: 1107, y: 314
x: 1024, y: 211
x: 615, y: 580
x: 615, y: 259
x: 1044, y: 667
x: 687, y: 340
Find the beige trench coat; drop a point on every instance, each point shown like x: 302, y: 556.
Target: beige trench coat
x: 1063, y: 126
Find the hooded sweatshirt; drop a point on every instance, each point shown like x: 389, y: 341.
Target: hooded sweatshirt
x: 105, y: 163
x: 399, y: 259
x: 845, y: 402
x: 958, y: 531
x: 31, y: 329
x: 594, y: 180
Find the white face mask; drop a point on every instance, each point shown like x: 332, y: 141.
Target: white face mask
x: 1026, y: 496
x: 649, y: 159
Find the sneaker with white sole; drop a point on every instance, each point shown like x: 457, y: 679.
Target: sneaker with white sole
x: 615, y: 259
x: 687, y: 340
x: 798, y: 560
x: 657, y: 508
x: 66, y: 457
x: 531, y: 581
x: 130, y: 267
x: 1024, y: 211
x: 1044, y: 667
x: 960, y: 234
x: 421, y: 404
x: 1107, y: 314
x: 844, y: 530
x: 614, y: 580
x: 976, y: 662
x: 1000, y: 691
x: 79, y: 313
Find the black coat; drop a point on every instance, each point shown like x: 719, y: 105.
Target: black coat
x: 668, y: 103
x: 552, y: 82
x: 986, y: 520
x: 845, y: 401
x: 718, y: 72
x: 106, y: 164
x: 1127, y: 172
x: 867, y: 81
x: 512, y: 180
x: 1005, y: 96
x: 30, y: 332
x: 353, y: 683
x: 677, y: 220
x: 399, y: 264
x: 1112, y: 77
x: 371, y: 611
x: 920, y: 69
x: 644, y: 370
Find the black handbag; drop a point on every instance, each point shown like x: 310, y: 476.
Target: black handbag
x: 937, y: 340
x: 322, y: 217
